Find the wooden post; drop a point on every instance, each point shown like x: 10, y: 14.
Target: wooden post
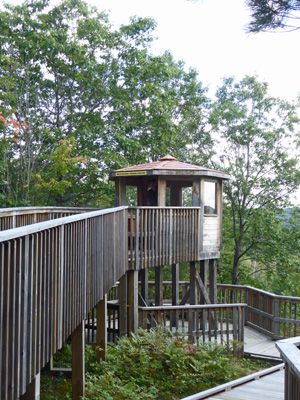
x: 132, y: 301
x: 276, y: 314
x: 175, y: 289
x: 123, y: 328
x: 175, y: 284
x: 101, y: 336
x: 120, y: 192
x: 213, y: 281
x: 33, y: 389
x: 162, y: 191
x: 203, y: 276
x: 158, y: 286
x: 193, y: 285
x: 193, y: 299
x: 78, y: 370
x: 144, y: 284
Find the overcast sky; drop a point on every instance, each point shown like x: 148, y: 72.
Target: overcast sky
x: 210, y: 36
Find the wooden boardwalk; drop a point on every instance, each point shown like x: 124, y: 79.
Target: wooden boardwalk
x: 259, y: 345
x: 269, y: 387
x: 263, y: 385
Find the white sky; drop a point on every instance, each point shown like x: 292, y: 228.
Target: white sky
x: 210, y: 36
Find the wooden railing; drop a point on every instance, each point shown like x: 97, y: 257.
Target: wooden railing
x: 163, y: 235
x: 222, y: 323
x: 276, y: 316
x: 11, y: 218
x: 52, y: 274
x: 290, y: 354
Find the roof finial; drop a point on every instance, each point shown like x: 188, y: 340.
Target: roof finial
x: 168, y: 157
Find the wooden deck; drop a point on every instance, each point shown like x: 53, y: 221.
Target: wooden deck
x: 263, y: 385
x: 269, y: 387
x: 259, y: 345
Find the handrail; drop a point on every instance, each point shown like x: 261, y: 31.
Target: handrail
x: 274, y: 315
x: 163, y: 235
x: 11, y: 218
x: 51, y: 275
x: 290, y: 354
x: 223, y: 323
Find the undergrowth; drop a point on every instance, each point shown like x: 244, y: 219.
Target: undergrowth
x: 154, y: 365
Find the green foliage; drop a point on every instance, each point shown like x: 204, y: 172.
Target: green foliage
x: 69, y: 76
x: 255, y: 135
x: 150, y: 365
x: 273, y: 14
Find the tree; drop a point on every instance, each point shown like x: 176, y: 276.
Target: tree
x: 254, y: 137
x: 67, y: 74
x: 274, y: 14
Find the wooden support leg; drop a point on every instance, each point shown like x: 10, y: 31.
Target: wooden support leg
x: 175, y: 289
x: 213, y: 287
x: 193, y: 299
x: 203, y: 276
x: 158, y: 286
x: 144, y: 284
x: 175, y: 284
x: 33, y: 389
x: 78, y: 370
x: 123, y: 320
x: 193, y: 286
x: 133, y: 301
x: 101, y: 336
x: 213, y: 281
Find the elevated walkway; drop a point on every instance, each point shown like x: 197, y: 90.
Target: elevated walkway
x: 264, y: 385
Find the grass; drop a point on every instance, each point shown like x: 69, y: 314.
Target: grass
x: 151, y: 365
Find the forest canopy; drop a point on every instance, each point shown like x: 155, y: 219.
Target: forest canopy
x: 79, y: 99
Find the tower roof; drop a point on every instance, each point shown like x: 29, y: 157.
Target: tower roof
x: 167, y: 165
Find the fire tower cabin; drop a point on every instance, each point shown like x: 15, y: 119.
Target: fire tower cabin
x: 178, y: 219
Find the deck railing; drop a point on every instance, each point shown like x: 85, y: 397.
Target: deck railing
x: 223, y: 323
x: 11, y: 218
x: 274, y: 315
x: 290, y: 354
x: 51, y: 275
x: 163, y: 235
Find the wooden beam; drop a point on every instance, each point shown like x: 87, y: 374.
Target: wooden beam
x: 123, y: 318
x: 158, y: 286
x: 101, y: 335
x: 144, y: 284
x: 175, y: 284
x: 213, y: 281
x: 203, y: 289
x: 132, y: 301
x: 162, y: 191
x: 203, y: 275
x: 78, y: 355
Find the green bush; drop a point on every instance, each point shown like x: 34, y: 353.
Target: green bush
x: 154, y: 365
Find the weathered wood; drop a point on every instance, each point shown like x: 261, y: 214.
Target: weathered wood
x: 151, y: 316
x: 175, y: 284
x: 78, y: 357
x: 123, y: 313
x: 263, y: 385
x: 132, y: 301
x: 33, y: 390
x: 101, y: 336
x: 158, y: 286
